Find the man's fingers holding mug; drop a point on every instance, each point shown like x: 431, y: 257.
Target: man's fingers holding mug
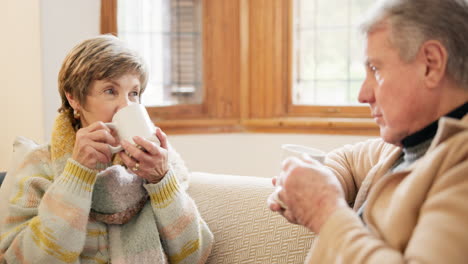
x: 309, y: 160
x: 273, y: 204
x: 289, y: 162
x: 274, y: 180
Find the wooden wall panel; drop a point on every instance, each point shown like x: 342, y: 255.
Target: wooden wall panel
x: 268, y: 23
x: 221, y: 50
x: 109, y: 17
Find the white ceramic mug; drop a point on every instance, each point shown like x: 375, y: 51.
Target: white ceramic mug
x: 132, y: 120
x: 299, y: 150
x: 288, y: 150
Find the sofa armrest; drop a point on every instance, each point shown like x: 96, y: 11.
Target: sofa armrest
x: 245, y: 230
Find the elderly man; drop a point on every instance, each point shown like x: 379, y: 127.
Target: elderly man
x: 409, y: 189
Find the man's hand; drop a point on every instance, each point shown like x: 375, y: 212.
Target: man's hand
x: 310, y: 192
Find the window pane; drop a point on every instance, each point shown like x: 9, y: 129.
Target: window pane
x: 331, y: 92
x: 358, y: 9
x: 330, y: 13
x: 328, y: 68
x: 167, y: 34
x: 331, y: 54
x: 306, y: 58
x: 322, y: 92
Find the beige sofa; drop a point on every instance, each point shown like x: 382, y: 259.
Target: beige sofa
x: 245, y: 230
x: 234, y: 207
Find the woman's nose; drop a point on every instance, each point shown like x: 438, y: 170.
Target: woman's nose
x: 124, y: 101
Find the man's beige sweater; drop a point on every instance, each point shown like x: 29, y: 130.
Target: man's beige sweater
x: 418, y: 215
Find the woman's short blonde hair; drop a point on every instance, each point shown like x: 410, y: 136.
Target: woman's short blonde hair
x: 99, y: 58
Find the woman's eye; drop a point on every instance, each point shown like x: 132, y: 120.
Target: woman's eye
x: 373, y: 68
x: 134, y: 93
x: 109, y: 91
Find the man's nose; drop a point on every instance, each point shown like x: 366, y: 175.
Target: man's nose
x: 366, y: 93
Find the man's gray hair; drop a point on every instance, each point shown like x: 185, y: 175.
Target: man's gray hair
x: 413, y: 22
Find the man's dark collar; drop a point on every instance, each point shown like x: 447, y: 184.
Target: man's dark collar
x: 429, y: 131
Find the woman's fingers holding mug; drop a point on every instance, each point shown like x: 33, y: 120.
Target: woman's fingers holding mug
x: 99, y: 125
x: 132, y: 151
x: 127, y: 159
x: 103, y: 152
x: 88, y: 153
x: 99, y: 132
x: 140, y: 152
x: 146, y: 145
x: 103, y: 136
x: 162, y: 137
x: 146, y: 152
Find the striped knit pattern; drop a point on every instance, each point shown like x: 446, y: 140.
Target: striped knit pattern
x: 48, y: 219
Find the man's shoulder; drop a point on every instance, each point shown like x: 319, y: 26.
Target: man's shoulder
x: 449, y: 148
x: 378, y: 145
x: 371, y: 151
x: 451, y: 130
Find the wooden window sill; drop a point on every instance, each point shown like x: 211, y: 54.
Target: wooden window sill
x: 312, y: 125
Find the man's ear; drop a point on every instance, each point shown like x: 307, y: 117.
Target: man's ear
x: 434, y: 56
x: 73, y: 103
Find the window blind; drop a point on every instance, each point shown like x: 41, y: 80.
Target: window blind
x: 167, y: 33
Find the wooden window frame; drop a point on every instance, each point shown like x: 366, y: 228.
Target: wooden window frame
x: 247, y: 76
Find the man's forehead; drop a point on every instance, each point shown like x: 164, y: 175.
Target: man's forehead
x: 377, y: 48
x: 379, y: 25
x: 378, y: 39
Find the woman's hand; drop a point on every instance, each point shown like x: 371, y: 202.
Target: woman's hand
x: 310, y: 192
x: 147, y: 160
x: 92, y: 145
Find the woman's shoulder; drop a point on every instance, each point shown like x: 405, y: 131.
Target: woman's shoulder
x: 28, y: 154
x: 29, y: 171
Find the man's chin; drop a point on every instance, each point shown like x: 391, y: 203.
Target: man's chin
x: 390, y: 136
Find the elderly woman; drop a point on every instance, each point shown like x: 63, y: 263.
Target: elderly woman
x: 75, y: 202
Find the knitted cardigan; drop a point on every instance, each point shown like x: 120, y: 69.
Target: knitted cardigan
x: 48, y: 219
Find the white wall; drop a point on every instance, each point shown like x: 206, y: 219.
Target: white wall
x: 49, y: 29
x: 247, y: 154
x: 21, y: 106
x: 36, y: 37
x: 64, y: 23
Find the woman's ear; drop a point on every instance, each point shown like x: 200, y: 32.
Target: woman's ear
x: 434, y: 57
x: 73, y: 103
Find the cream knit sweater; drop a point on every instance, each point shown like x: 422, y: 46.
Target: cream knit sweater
x: 48, y: 219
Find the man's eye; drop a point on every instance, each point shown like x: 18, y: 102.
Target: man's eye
x: 373, y: 68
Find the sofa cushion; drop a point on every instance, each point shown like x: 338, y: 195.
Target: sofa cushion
x: 244, y: 228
